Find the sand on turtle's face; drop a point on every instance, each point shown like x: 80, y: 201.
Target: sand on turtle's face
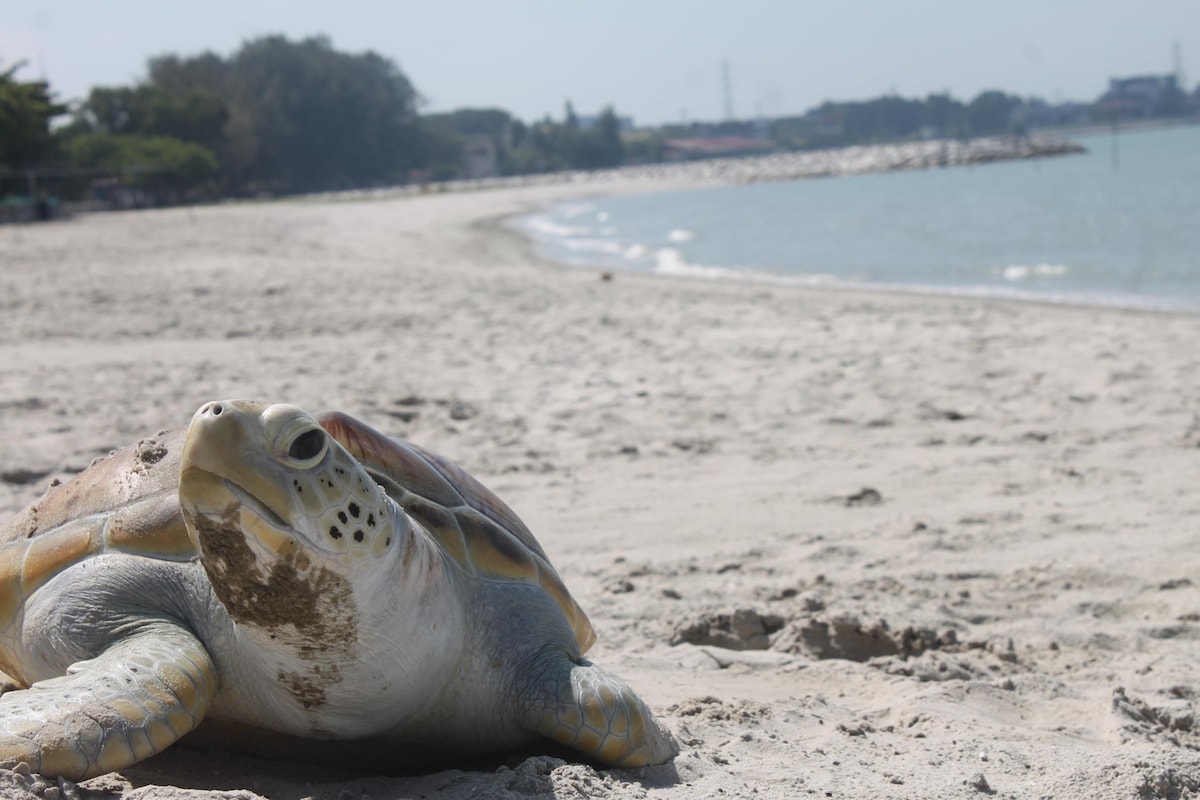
x: 1011, y: 606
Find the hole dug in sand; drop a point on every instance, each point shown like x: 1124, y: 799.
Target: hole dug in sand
x: 916, y: 652
x: 1171, y: 720
x: 819, y: 637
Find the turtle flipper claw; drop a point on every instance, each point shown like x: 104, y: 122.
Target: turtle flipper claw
x: 130, y: 702
x: 596, y: 713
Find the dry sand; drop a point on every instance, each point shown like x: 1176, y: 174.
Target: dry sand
x: 848, y: 545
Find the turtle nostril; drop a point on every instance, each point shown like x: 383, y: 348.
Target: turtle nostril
x: 215, y: 409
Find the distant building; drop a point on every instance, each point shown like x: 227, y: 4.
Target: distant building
x: 587, y: 121
x: 825, y: 122
x: 1036, y: 113
x: 715, y: 147
x: 1142, y: 96
x: 479, y: 158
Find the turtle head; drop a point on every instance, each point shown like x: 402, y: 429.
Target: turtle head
x: 265, y: 483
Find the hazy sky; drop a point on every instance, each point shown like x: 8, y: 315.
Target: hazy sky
x: 655, y: 60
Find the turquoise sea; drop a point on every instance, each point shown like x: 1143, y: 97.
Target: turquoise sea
x: 1119, y: 225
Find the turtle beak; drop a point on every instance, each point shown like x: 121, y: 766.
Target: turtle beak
x: 228, y: 446
x: 227, y: 477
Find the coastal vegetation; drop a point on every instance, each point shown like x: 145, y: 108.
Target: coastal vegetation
x: 280, y: 116
x: 26, y: 108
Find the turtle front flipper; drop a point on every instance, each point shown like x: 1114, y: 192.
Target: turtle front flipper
x: 126, y: 704
x: 596, y: 713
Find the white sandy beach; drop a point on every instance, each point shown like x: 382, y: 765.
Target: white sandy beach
x: 847, y: 545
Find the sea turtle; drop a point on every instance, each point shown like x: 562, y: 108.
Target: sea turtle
x: 306, y: 586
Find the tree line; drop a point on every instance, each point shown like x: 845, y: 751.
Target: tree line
x: 277, y: 117
x: 280, y: 116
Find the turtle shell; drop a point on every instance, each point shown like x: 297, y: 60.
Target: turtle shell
x: 468, y: 521
x: 127, y: 501
x: 138, y: 483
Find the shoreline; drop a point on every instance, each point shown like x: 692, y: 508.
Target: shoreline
x: 593, y: 247
x: 844, y: 543
x: 1129, y: 126
x: 508, y: 225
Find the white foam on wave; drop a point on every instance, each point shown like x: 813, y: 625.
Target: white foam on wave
x: 669, y: 261
x: 572, y: 210
x: 544, y: 226
x: 680, y: 235
x: 1021, y: 272
x: 594, y: 246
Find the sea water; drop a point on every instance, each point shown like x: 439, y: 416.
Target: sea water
x: 1119, y: 225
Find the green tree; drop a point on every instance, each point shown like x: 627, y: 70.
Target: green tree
x: 947, y: 116
x: 286, y: 115
x: 441, y: 147
x: 518, y: 132
x: 145, y: 161
x: 479, y: 121
x: 597, y: 147
x: 609, y: 132
x: 321, y: 119
x: 109, y: 110
x: 991, y: 112
x: 643, y: 148
x: 26, y: 109
x: 178, y: 76
x: 885, y: 118
x: 196, y: 115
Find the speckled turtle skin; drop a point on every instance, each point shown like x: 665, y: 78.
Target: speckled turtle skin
x: 296, y: 586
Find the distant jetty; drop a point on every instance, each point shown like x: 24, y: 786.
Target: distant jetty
x: 775, y: 167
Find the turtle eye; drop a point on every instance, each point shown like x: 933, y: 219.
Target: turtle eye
x: 307, y: 445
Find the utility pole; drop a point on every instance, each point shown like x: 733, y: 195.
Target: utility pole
x: 1116, y: 129
x: 1177, y: 64
x: 728, y: 90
